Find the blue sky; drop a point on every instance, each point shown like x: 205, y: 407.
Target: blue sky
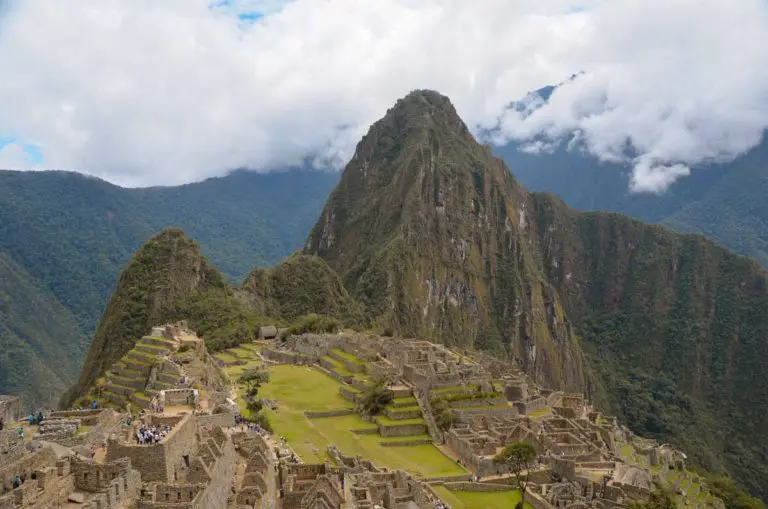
x: 33, y: 152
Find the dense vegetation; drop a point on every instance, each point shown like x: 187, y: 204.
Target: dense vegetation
x: 40, y: 344
x: 300, y: 285
x: 68, y: 237
x: 675, y: 326
x: 74, y: 234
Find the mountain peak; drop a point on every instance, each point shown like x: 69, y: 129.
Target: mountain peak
x: 165, y: 269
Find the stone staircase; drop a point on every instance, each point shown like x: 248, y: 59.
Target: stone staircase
x: 426, y: 411
x: 127, y: 379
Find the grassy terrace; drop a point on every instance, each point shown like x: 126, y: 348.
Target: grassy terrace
x: 479, y: 500
x: 348, y: 356
x: 298, y: 389
x: 386, y: 421
x: 338, y: 367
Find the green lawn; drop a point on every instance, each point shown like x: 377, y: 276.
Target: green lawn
x: 479, y: 499
x: 234, y: 372
x: 297, y: 389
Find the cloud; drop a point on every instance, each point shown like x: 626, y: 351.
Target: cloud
x: 142, y: 92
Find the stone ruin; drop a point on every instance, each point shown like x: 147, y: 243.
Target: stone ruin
x: 10, y: 409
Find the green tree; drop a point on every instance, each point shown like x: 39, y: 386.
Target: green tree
x: 376, y: 397
x: 519, y: 458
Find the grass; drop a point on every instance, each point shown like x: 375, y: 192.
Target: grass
x: 298, y: 389
x: 226, y: 357
x: 338, y: 367
x: 347, y: 356
x: 541, y: 412
x: 234, y: 372
x: 386, y: 421
x: 479, y: 499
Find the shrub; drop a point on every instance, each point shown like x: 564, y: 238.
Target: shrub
x: 376, y: 397
x: 315, y: 324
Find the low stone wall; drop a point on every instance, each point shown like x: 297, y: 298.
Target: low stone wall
x: 399, y: 431
x: 87, y: 417
x: 348, y: 394
x: 286, y: 357
x: 406, y: 443
x: 365, y: 431
x: 477, y: 486
x: 396, y: 414
x: 329, y: 413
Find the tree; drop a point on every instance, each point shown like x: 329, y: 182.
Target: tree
x: 376, y: 397
x: 518, y: 457
x: 253, y: 380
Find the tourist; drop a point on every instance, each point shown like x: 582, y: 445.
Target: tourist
x: 39, y: 417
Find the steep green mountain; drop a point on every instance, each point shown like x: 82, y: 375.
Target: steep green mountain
x: 40, y: 344
x: 670, y: 331
x: 427, y: 229
x: 74, y: 233
x: 297, y: 286
x: 167, y: 269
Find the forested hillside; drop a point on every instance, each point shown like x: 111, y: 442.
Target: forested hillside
x: 41, y: 347
x: 66, y: 237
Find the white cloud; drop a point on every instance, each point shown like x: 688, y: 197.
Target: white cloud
x: 14, y: 156
x: 146, y: 92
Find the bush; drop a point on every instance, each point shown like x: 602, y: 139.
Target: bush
x: 315, y: 324
x: 263, y: 420
x: 376, y: 398
x: 388, y: 332
x: 444, y: 416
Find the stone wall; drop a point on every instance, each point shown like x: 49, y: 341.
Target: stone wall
x: 95, y: 477
x: 10, y: 409
x: 477, y: 486
x: 159, y: 462
x: 222, y: 420
x: 399, y: 431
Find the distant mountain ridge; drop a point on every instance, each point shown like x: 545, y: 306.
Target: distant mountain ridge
x: 721, y: 201
x: 65, y: 238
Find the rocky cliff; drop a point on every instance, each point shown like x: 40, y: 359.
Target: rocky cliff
x: 435, y: 238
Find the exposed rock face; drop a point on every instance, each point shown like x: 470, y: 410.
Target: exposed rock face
x: 432, y: 234
x: 167, y: 268
x: 435, y: 238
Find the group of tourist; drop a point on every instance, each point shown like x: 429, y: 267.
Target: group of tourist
x: 439, y: 504
x: 35, y: 419
x: 17, y: 480
x: 146, y: 435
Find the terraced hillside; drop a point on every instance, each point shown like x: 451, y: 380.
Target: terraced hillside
x: 139, y: 375
x: 315, y: 406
